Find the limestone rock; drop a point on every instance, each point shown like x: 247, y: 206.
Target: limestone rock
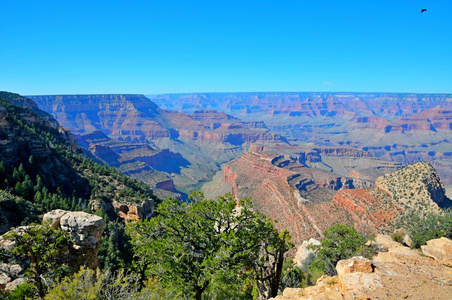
x: 440, y: 250
x: 130, y: 212
x: 356, y: 276
x: 10, y: 286
x: 397, y: 272
x: 84, y: 228
x: 85, y: 231
x: 305, y: 254
x: 54, y: 216
x: 326, y: 288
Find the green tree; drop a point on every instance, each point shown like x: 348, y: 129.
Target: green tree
x: 189, y: 245
x: 268, y: 260
x: 339, y: 242
x: 43, y: 246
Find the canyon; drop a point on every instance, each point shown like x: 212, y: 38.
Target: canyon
x: 196, y: 134
x: 306, y: 199
x: 169, y: 150
x: 307, y: 160
x: 399, y: 127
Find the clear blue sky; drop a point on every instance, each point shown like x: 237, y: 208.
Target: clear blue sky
x: 167, y: 46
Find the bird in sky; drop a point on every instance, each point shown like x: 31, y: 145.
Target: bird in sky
x: 423, y: 10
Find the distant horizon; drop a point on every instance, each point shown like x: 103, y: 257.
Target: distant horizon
x: 254, y: 92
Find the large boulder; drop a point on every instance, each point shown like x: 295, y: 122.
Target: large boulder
x: 440, y: 250
x: 85, y: 231
x: 356, y: 277
x: 397, y: 272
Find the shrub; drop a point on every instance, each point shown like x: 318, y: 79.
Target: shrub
x: 23, y: 291
x: 398, y: 236
x: 422, y: 228
x: 339, y: 242
x: 292, y: 276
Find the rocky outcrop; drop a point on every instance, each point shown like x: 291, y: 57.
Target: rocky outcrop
x: 306, y: 253
x: 440, y: 250
x: 396, y: 272
x: 415, y: 185
x: 350, y: 275
x: 130, y: 212
x: 85, y: 231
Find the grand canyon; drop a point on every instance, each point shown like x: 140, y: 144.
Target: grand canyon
x: 308, y: 160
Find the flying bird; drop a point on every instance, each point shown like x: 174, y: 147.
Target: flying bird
x: 423, y: 10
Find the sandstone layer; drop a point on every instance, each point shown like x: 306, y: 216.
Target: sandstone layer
x: 406, y: 128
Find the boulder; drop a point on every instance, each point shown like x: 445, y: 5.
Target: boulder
x: 440, y: 250
x: 305, y: 254
x: 326, y: 288
x: 396, y: 273
x: 356, y: 276
x: 85, y: 231
x: 11, y: 286
x: 54, y: 217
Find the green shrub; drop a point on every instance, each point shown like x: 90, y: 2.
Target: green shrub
x: 339, y: 242
x: 23, y: 291
x: 398, y: 236
x: 422, y: 228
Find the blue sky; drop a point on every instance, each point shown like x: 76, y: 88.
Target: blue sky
x: 167, y: 46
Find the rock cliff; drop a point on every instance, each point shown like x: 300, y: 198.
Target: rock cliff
x: 143, y: 140
x: 405, y: 128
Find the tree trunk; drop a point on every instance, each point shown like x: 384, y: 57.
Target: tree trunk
x: 38, y: 281
x: 198, y: 294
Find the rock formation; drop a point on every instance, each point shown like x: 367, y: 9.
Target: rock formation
x: 396, y: 272
x: 305, y: 253
x: 440, y: 250
x: 406, y: 128
x: 130, y: 212
x: 85, y: 231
